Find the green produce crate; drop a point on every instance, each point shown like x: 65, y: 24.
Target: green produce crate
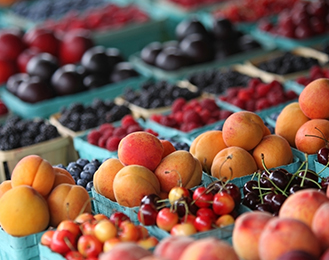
x: 18, y: 248
x: 46, y: 108
x: 47, y: 254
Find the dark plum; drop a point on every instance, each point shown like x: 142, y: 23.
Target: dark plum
x: 150, y: 52
x: 171, y: 58
x: 96, y: 60
x: 121, y: 71
x: 189, y: 26
x: 14, y: 81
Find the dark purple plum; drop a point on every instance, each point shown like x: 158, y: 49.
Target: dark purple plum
x: 121, y: 71
x: 150, y: 52
x: 14, y: 81
x: 189, y: 26
x: 96, y: 60
x: 171, y: 58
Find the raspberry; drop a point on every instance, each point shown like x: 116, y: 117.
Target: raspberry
x: 168, y: 121
x: 178, y: 116
x: 93, y: 137
x: 224, y: 114
x: 253, y: 83
x: 232, y: 92
x: 316, y: 72
x: 102, y: 141
x: 192, y: 116
x: 245, y: 94
x: 261, y: 104
x: 250, y: 105
x: 205, y: 115
x: 209, y: 104
x: 178, y: 104
x: 149, y: 130
x: 112, y: 143
x: 106, y: 126
x: 127, y: 121
x: 238, y: 103
x: 216, y: 114
x: 290, y: 95
x: 156, y: 118
x: 275, y: 98
x: 187, y: 127
x: 263, y: 89
x: 119, y: 131
x: 134, y: 128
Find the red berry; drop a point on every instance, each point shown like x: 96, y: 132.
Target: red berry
x: 128, y: 120
x: 262, y: 103
x: 209, y: 104
x: 112, y: 143
x: 192, y: 116
x: 119, y: 131
x: 178, y: 105
x: 134, y: 128
x: 93, y: 137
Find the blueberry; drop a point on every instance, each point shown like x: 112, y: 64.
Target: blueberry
x: 86, y: 175
x: 82, y: 182
x: 96, y: 162
x: 90, y: 167
x: 60, y: 166
x: 82, y: 162
x: 74, y: 170
x: 89, y: 185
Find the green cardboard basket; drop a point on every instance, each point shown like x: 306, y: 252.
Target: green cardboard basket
x: 47, y: 254
x: 18, y: 248
x: 48, y: 107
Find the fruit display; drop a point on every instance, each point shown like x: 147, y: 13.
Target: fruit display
x: 191, y: 4
x: 258, y: 95
x: 195, y: 44
x: 188, y: 212
x: 88, y: 236
x: 303, y: 20
x: 100, y: 19
x: 39, y: 192
x: 186, y: 115
x: 251, y: 11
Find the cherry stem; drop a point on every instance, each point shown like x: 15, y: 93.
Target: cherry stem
x: 227, y: 158
x: 296, y: 173
x: 324, y: 167
x: 323, y: 137
x: 69, y: 244
x: 180, y: 183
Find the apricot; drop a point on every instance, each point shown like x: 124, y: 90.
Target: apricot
x: 125, y: 250
x: 276, y: 151
x: 302, y: 205
x: 23, y: 211
x: 34, y: 171
x: 4, y: 187
x: 179, y: 168
x: 313, y: 100
x: 244, y: 129
x: 104, y: 176
x: 67, y: 201
x: 320, y: 220
x: 168, y: 147
x: 281, y: 235
x: 209, y: 248
x: 172, y: 247
x: 290, y: 119
x: 205, y: 147
x: 62, y: 176
x: 309, y: 137
x: 232, y: 162
x: 132, y: 183
x: 141, y: 148
x: 247, y: 230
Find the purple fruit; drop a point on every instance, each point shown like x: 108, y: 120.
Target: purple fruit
x: 42, y: 65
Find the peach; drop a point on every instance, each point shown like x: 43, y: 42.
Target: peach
x: 4, y: 187
x: 62, y: 176
x: 232, y: 162
x: 104, y: 176
x: 244, y: 129
x: 132, y: 183
x: 316, y: 92
x: 290, y: 119
x: 34, y: 171
x: 172, y: 247
x: 319, y: 222
x: 205, y: 147
x: 168, y: 147
x: 309, y: 137
x: 302, y: 205
x: 141, y: 148
x: 179, y: 168
x: 246, y: 232
x: 281, y: 235
x: 125, y: 250
x: 209, y: 248
x: 276, y: 151
x: 67, y: 201
x: 23, y: 211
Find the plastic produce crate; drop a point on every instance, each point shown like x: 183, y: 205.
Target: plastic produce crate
x: 46, y: 108
x: 55, y: 151
x: 18, y: 248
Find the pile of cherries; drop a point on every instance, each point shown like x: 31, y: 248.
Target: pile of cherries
x: 187, y: 212
x: 268, y: 189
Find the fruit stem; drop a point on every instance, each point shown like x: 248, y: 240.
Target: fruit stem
x: 263, y: 163
x: 260, y: 190
x: 180, y: 183
x: 327, y: 165
x: 306, y: 169
x: 296, y: 173
x: 227, y: 158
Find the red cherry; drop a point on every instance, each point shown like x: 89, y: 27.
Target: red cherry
x: 166, y: 219
x: 203, y: 223
x: 62, y: 241
x: 202, y: 197
x: 147, y: 214
x: 223, y: 203
x: 207, y: 212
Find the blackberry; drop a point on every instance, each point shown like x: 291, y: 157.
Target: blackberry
x: 49, y: 130
x: 116, y: 113
x: 88, y: 120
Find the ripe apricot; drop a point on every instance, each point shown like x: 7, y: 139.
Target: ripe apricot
x: 4, y: 187
x: 62, y: 176
x: 232, y: 162
x: 168, y: 147
x: 23, y: 211
x: 290, y: 119
x: 34, y: 171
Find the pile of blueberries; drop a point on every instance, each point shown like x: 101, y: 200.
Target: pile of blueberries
x: 42, y: 10
x: 79, y: 117
x: 216, y: 81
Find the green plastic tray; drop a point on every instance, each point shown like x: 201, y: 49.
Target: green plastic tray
x: 47, y: 254
x: 18, y: 248
x: 46, y: 108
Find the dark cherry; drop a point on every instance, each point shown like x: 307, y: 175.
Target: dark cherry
x: 151, y: 199
x: 251, y: 200
x: 264, y: 182
x: 265, y: 207
x: 150, y: 52
x: 234, y: 191
x: 147, y: 214
x: 277, y: 201
x: 183, y: 204
x: 309, y: 175
x: 323, y: 155
x: 280, y: 178
x: 216, y: 186
x: 294, y: 188
x: 268, y: 197
x: 251, y: 187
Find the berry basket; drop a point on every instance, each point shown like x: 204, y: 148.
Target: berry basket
x: 301, y: 52
x: 17, y: 248
x: 46, y: 108
x: 45, y: 253
x: 55, y: 151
